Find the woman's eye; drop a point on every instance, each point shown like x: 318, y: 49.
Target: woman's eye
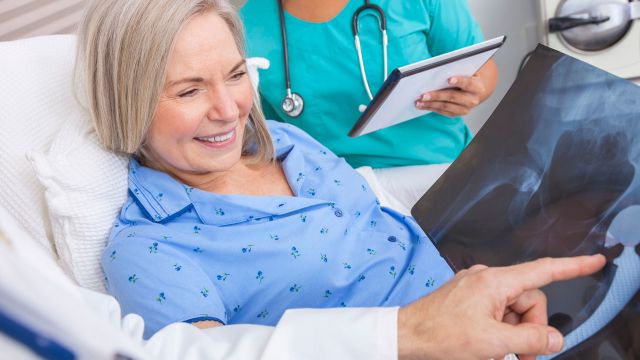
x: 238, y: 75
x: 189, y: 93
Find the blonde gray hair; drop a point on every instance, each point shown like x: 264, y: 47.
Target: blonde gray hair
x: 123, y: 51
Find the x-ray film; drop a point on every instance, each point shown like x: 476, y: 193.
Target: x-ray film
x: 555, y: 171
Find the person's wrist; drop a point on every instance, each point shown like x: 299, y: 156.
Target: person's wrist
x: 412, y: 343
x: 405, y: 340
x: 484, y: 91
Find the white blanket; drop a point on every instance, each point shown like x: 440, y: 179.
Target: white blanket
x: 36, y: 293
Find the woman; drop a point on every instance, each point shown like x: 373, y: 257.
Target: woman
x: 220, y: 228
x: 324, y: 69
x: 257, y: 234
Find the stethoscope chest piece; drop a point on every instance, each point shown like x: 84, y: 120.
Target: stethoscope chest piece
x: 293, y: 104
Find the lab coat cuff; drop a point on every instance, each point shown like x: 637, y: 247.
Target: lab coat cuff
x: 342, y: 333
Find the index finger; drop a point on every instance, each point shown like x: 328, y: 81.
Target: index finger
x: 541, y: 272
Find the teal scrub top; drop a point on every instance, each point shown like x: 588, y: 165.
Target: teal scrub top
x: 324, y: 70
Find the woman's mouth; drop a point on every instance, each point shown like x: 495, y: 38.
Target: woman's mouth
x: 219, y: 140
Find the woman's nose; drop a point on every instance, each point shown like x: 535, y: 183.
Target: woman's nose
x: 222, y: 105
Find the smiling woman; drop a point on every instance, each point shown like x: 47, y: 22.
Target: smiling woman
x: 112, y: 49
x: 199, y: 125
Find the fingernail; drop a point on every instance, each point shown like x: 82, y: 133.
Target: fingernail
x: 554, y: 342
x: 422, y: 105
x: 453, y: 81
x: 426, y: 97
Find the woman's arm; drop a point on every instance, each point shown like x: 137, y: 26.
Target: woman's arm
x: 207, y: 324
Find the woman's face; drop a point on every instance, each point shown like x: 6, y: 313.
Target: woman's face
x: 199, y: 123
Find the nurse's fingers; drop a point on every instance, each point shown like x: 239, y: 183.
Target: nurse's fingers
x: 471, y: 84
x: 444, y: 108
x: 452, y: 96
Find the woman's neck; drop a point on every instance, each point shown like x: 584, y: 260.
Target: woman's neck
x: 317, y: 11
x: 258, y: 180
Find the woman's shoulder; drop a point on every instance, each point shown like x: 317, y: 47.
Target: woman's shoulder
x: 285, y: 135
x: 282, y: 129
x: 132, y: 223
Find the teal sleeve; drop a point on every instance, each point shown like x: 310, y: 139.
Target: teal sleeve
x: 453, y: 26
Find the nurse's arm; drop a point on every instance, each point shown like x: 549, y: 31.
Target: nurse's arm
x: 488, y: 75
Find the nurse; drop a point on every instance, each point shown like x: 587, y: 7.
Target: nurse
x: 325, y: 70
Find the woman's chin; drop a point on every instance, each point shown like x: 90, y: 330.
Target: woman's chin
x: 220, y: 163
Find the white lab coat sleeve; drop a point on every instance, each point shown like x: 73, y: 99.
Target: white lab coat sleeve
x: 342, y: 333
x: 350, y: 333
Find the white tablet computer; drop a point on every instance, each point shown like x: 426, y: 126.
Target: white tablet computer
x: 395, y: 101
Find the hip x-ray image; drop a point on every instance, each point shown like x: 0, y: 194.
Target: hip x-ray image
x: 554, y: 172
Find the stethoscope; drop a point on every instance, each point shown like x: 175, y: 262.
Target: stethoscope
x: 293, y: 103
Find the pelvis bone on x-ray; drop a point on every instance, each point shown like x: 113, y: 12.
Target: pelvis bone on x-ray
x: 555, y: 171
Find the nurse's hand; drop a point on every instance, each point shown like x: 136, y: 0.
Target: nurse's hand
x: 465, y: 93
x: 485, y: 313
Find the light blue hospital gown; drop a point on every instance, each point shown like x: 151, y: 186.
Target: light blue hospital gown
x: 178, y: 253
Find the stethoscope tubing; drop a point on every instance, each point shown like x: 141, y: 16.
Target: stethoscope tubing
x: 294, y: 102
x: 356, y: 15
x: 285, y: 48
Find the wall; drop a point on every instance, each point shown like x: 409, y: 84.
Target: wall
x: 26, y: 18
x: 518, y: 19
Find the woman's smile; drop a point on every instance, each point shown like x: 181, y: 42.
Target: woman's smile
x: 220, y: 140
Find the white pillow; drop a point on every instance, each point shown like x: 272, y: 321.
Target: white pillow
x: 86, y: 186
x: 35, y: 99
